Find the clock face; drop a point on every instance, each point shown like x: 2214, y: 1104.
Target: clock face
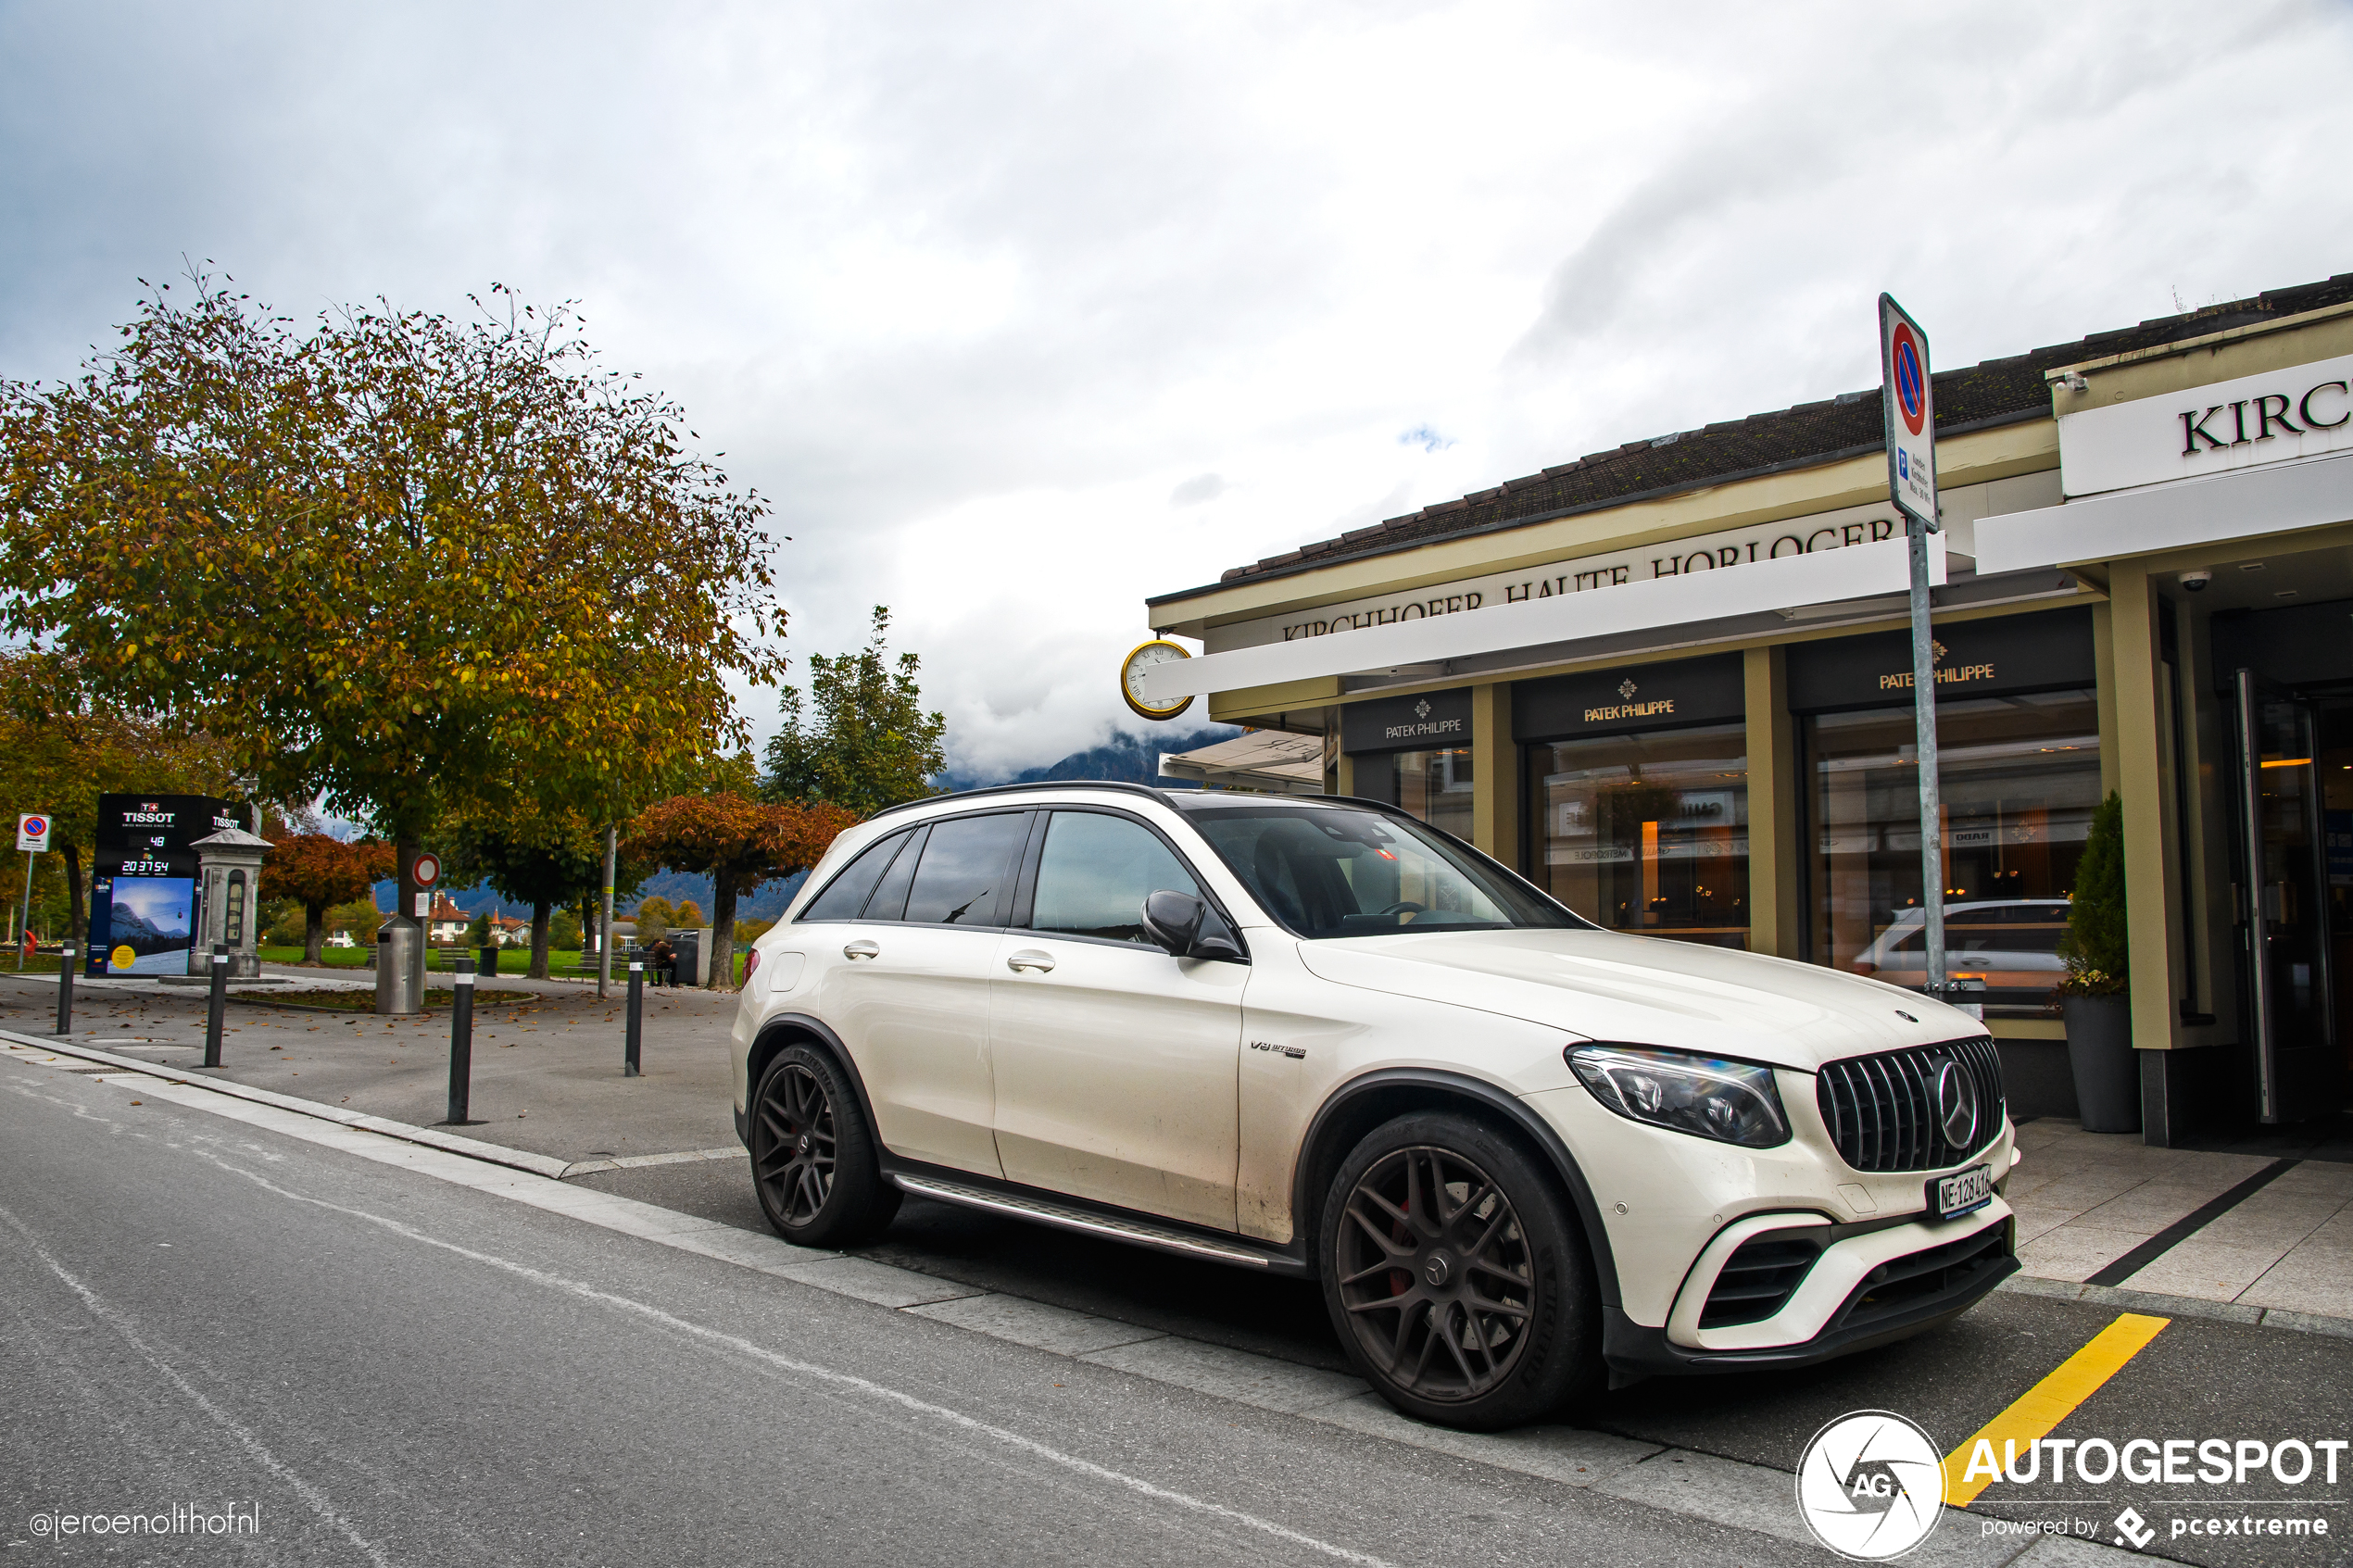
x: 1131, y: 679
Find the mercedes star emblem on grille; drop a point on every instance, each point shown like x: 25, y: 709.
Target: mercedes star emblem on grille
x: 1957, y: 1105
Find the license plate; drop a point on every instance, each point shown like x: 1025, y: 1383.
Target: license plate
x: 1963, y: 1192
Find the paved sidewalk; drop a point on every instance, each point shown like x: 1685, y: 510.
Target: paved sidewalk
x: 546, y: 1073
x: 2086, y: 1202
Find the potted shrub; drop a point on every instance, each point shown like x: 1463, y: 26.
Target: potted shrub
x: 2094, y: 994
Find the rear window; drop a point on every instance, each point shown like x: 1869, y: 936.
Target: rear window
x: 966, y: 864
x: 847, y: 894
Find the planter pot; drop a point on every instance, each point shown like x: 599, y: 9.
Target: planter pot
x: 2108, y: 1071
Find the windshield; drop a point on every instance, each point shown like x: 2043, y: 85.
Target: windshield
x: 1341, y: 872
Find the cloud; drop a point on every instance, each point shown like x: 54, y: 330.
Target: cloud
x: 979, y: 297
x: 1200, y: 488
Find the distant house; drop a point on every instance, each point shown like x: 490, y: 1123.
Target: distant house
x: 447, y: 923
x: 508, y: 928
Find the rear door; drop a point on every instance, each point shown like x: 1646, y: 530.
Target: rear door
x: 1116, y: 1065
x: 908, y: 990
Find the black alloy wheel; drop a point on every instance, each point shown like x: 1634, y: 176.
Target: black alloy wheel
x: 1453, y: 1275
x: 812, y: 1158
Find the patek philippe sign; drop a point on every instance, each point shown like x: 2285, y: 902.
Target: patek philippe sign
x: 1424, y: 722
x: 2048, y: 651
x: 1647, y: 697
x: 1726, y: 550
x: 2303, y: 411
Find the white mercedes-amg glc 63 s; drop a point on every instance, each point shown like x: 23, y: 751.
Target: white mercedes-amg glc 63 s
x: 1315, y: 1036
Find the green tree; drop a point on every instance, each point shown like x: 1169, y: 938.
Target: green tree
x: 542, y: 862
x: 866, y: 743
x: 741, y: 843
x: 563, y: 931
x: 413, y: 565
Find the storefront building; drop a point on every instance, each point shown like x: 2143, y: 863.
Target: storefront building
x: 1671, y: 683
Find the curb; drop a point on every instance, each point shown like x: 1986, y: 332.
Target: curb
x: 2178, y: 1306
x: 472, y: 1149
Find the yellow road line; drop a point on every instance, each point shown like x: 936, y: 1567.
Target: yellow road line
x: 2050, y: 1401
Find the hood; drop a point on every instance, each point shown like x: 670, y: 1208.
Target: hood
x: 1640, y: 990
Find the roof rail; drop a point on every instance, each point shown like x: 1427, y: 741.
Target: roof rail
x: 1159, y: 794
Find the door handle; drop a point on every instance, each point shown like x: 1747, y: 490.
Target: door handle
x: 861, y: 949
x: 1030, y: 957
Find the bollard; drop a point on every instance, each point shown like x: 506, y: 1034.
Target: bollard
x: 461, y: 1042
x: 65, y: 989
x: 217, y: 1013
x: 637, y: 1017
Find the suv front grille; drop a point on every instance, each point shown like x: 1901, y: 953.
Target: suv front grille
x: 1882, y: 1109
x: 1941, y: 1273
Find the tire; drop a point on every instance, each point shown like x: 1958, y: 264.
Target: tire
x: 1478, y: 1310
x: 812, y: 1155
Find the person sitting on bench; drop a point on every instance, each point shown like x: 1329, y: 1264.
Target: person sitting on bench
x: 663, y: 963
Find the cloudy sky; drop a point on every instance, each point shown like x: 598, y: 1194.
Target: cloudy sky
x: 1021, y: 312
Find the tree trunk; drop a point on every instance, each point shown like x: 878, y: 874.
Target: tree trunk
x: 314, y: 935
x: 73, y: 892
x: 722, y: 933
x: 540, y: 911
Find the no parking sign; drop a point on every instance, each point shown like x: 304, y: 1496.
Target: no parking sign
x: 33, y: 833
x: 1910, y: 404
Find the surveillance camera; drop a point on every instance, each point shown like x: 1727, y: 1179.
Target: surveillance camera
x: 2073, y: 381
x: 2196, y: 582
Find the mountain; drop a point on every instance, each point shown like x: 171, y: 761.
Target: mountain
x: 1126, y: 759
x: 127, y: 928
x: 765, y: 902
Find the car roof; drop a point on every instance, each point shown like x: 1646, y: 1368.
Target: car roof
x: 1183, y: 800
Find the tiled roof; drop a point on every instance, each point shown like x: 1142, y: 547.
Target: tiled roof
x: 1975, y: 397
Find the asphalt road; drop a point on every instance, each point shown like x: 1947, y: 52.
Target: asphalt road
x: 392, y: 1370
x: 399, y: 1370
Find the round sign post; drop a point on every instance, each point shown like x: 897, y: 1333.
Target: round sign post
x: 426, y: 869
x: 32, y: 837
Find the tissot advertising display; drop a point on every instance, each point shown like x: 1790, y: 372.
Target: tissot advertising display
x: 142, y: 893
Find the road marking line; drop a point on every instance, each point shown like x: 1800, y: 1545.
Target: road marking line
x: 317, y: 1500
x: 2050, y: 1401
x: 719, y: 1339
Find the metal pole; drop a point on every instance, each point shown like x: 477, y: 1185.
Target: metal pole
x: 637, y: 1016
x: 64, y: 988
x: 24, y: 924
x: 604, y: 916
x: 461, y: 1042
x: 1924, y: 729
x: 217, y: 1011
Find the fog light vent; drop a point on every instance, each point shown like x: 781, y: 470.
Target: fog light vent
x: 1758, y: 1279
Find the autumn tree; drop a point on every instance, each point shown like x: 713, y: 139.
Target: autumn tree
x: 411, y: 564
x: 319, y: 872
x: 741, y: 843
x: 866, y: 742
x: 64, y: 741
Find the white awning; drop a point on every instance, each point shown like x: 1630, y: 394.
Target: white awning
x: 1789, y: 584
x: 1265, y: 759
x: 2310, y: 494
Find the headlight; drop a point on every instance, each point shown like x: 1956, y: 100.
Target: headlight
x: 1730, y: 1101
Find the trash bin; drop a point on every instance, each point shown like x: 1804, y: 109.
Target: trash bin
x: 687, y: 944
x: 398, y: 988
x: 489, y: 962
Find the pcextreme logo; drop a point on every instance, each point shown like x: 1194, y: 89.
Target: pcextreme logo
x: 1870, y: 1486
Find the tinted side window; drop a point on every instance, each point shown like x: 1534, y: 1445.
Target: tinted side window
x: 1096, y: 872
x: 889, y: 901
x: 965, y: 867
x: 848, y: 894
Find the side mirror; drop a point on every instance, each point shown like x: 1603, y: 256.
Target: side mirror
x: 1173, y: 920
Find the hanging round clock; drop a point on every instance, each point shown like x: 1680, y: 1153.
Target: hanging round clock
x: 1149, y: 656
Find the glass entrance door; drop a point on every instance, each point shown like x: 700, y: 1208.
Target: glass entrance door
x: 2284, y: 908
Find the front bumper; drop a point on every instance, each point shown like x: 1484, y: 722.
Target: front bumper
x: 1907, y: 1293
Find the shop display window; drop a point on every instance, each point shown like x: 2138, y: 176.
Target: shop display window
x: 1433, y: 786
x: 1647, y: 833
x: 2018, y: 777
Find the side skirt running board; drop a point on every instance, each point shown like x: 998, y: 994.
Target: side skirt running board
x: 1135, y: 1232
